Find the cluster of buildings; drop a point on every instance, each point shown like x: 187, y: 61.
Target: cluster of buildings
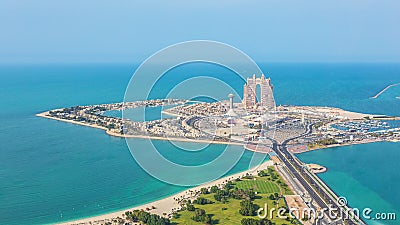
x: 174, y: 127
x: 93, y: 115
x: 199, y: 109
x: 255, y: 119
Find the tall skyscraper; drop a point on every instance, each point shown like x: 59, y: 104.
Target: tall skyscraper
x: 266, y: 100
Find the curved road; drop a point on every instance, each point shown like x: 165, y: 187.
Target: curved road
x: 318, y: 194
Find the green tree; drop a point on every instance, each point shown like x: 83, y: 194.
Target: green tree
x: 190, y: 207
x: 266, y: 221
x: 204, y: 191
x: 271, y: 197
x: 262, y: 173
x: 200, y: 215
x: 229, y: 185
x: 214, y: 189
x: 247, y: 208
x: 249, y: 221
x: 202, y: 201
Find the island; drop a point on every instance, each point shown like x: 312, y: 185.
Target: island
x: 257, y: 124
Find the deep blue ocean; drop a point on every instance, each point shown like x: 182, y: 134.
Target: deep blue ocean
x: 52, y: 171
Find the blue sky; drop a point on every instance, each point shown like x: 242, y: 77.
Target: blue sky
x: 268, y: 31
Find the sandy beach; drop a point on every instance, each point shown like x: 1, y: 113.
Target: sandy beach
x: 167, y: 205
x: 333, y: 112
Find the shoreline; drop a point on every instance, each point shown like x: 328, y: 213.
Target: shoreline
x: 138, y: 136
x: 172, y: 139
x: 167, y: 204
x: 346, y: 144
x: 180, y: 139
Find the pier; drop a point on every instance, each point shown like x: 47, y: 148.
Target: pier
x: 385, y: 89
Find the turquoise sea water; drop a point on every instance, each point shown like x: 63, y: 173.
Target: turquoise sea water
x: 52, y: 171
x: 364, y: 174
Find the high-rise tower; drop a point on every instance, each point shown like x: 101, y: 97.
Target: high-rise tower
x: 266, y: 99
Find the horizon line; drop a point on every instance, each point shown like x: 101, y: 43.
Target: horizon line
x: 139, y: 62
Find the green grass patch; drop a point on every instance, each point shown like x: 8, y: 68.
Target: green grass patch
x: 313, y: 146
x: 260, y: 186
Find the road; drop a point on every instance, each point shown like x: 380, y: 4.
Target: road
x: 314, y: 189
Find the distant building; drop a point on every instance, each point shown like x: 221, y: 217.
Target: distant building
x: 266, y: 99
x: 231, y: 112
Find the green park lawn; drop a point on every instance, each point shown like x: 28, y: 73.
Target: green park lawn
x: 228, y: 213
x: 259, y: 186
